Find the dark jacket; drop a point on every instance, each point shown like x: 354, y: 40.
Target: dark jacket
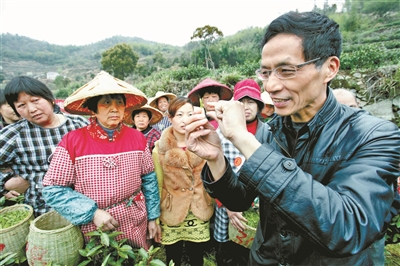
x: 325, y: 201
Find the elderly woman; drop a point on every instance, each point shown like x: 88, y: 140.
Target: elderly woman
x: 27, y: 144
x: 143, y: 119
x: 161, y: 102
x: 102, y: 175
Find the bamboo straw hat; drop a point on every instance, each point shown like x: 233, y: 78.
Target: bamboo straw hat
x: 103, y: 84
x: 194, y: 95
x: 159, y: 94
x: 155, y: 116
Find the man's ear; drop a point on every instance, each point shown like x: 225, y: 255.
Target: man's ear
x: 331, y: 66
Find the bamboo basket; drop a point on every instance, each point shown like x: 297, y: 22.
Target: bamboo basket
x: 244, y: 238
x: 53, y: 239
x: 13, y: 238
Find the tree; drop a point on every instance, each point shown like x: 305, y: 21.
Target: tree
x: 61, y: 82
x: 120, y: 60
x: 207, y: 36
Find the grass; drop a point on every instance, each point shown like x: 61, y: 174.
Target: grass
x: 392, y: 255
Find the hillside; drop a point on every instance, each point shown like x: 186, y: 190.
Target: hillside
x: 21, y: 55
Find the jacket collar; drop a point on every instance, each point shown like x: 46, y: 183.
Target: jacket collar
x: 328, y: 111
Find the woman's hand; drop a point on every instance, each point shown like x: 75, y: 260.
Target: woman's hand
x: 104, y: 220
x: 11, y: 194
x: 17, y: 184
x: 236, y: 219
x: 151, y: 229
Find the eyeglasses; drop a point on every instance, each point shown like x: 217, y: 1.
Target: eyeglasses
x: 282, y: 72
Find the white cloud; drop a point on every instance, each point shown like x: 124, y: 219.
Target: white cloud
x: 173, y: 22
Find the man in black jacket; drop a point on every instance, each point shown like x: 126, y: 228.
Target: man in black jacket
x: 323, y: 171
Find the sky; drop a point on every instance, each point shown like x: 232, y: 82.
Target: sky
x: 81, y: 22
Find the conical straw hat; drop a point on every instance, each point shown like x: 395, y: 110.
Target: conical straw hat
x: 194, y: 95
x: 159, y: 94
x: 156, y: 114
x: 103, y: 84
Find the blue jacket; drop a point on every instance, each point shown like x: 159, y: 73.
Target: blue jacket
x: 325, y: 201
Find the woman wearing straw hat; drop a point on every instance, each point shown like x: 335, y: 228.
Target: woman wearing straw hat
x: 209, y: 91
x: 102, y: 175
x: 161, y: 102
x: 142, y: 119
x: 268, y: 112
x: 27, y: 144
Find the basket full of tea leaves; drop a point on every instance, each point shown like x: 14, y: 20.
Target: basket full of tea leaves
x: 14, y: 228
x: 246, y: 237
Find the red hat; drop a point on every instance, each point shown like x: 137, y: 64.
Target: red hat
x: 194, y: 94
x: 248, y: 88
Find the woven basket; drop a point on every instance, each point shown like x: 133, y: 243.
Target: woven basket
x: 244, y: 238
x: 52, y: 238
x: 13, y: 238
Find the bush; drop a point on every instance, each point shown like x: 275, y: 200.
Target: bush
x: 190, y: 72
x: 365, y: 57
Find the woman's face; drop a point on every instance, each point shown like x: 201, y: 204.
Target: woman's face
x: 8, y: 114
x: 110, y: 112
x: 35, y: 109
x: 250, y: 108
x: 141, y: 120
x: 181, y: 115
x: 162, y: 104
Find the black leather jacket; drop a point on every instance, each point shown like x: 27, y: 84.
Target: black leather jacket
x: 324, y: 202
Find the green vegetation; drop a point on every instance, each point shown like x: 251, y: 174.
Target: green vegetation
x: 104, y: 249
x: 120, y: 60
x: 252, y: 216
x: 11, y: 218
x: 10, y: 258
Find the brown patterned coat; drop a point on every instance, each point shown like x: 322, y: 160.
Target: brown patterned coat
x: 182, y: 187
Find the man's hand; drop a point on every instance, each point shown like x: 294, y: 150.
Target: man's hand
x: 104, y: 220
x: 17, y: 184
x: 232, y: 123
x: 231, y: 118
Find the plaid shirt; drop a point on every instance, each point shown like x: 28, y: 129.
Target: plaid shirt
x: 152, y: 136
x: 163, y: 124
x: 236, y: 160
x: 26, y: 148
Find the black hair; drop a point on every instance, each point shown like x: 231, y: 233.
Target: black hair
x: 160, y: 98
x: 212, y: 89
x: 135, y: 112
x: 320, y: 35
x: 92, y: 102
x: 2, y: 98
x: 29, y: 86
x: 260, y: 104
